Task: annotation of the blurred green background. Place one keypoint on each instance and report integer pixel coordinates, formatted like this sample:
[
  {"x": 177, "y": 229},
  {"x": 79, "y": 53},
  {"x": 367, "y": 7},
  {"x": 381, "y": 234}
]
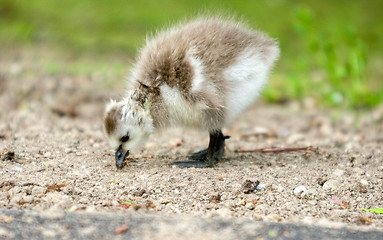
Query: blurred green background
[{"x": 331, "y": 50}]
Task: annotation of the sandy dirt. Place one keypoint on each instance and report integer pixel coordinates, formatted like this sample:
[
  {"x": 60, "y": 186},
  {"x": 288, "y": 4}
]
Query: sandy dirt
[{"x": 54, "y": 156}]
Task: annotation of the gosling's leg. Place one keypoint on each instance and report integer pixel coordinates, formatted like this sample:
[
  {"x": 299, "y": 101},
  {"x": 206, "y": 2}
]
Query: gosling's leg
[{"x": 214, "y": 152}]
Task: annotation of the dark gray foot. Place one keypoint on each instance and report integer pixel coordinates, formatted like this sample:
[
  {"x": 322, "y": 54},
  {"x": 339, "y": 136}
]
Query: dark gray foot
[
  {"x": 214, "y": 152},
  {"x": 199, "y": 156}
]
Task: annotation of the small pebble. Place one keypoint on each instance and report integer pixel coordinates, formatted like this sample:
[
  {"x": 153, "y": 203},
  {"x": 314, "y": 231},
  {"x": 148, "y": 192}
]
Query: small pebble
[
  {"x": 261, "y": 186},
  {"x": 68, "y": 150},
  {"x": 300, "y": 191},
  {"x": 338, "y": 172},
  {"x": 241, "y": 202},
  {"x": 364, "y": 182},
  {"x": 28, "y": 199},
  {"x": 121, "y": 229},
  {"x": 176, "y": 191},
  {"x": 250, "y": 206},
  {"x": 96, "y": 145},
  {"x": 249, "y": 186},
  {"x": 321, "y": 181},
  {"x": 47, "y": 154},
  {"x": 331, "y": 184},
  {"x": 73, "y": 208},
  {"x": 19, "y": 169}
]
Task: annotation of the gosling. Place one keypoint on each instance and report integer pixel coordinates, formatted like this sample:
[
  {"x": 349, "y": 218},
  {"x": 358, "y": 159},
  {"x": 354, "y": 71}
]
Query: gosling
[{"x": 201, "y": 74}]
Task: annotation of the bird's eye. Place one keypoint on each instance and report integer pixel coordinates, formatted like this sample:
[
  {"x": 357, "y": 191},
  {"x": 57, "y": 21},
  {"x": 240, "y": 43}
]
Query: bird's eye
[{"x": 125, "y": 138}]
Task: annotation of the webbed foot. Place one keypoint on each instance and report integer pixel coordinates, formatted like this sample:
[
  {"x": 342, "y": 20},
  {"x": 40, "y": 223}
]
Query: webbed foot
[
  {"x": 199, "y": 156},
  {"x": 214, "y": 152}
]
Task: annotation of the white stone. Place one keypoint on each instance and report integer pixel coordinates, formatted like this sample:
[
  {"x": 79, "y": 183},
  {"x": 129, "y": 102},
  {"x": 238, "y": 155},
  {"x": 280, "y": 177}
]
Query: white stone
[
  {"x": 300, "y": 191},
  {"x": 331, "y": 184},
  {"x": 28, "y": 199},
  {"x": 364, "y": 182},
  {"x": 261, "y": 186},
  {"x": 338, "y": 172},
  {"x": 250, "y": 206},
  {"x": 47, "y": 154}
]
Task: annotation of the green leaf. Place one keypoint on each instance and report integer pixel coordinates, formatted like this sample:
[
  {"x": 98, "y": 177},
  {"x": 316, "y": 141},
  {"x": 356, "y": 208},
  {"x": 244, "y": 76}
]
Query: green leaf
[
  {"x": 127, "y": 202},
  {"x": 373, "y": 210}
]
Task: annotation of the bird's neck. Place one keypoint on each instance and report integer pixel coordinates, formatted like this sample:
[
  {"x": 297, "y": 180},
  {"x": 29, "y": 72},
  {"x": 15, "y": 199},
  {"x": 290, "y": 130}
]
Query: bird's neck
[{"x": 153, "y": 104}]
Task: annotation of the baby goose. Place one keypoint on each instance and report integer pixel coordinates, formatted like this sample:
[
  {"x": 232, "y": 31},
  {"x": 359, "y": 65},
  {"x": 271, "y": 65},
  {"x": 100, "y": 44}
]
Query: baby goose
[{"x": 200, "y": 74}]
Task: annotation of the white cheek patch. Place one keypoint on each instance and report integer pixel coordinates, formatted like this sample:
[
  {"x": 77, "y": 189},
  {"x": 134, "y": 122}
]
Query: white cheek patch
[
  {"x": 136, "y": 139},
  {"x": 135, "y": 143},
  {"x": 114, "y": 143}
]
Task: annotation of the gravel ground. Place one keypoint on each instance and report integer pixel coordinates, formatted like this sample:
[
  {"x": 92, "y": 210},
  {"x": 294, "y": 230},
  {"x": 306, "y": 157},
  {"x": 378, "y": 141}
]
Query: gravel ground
[{"x": 54, "y": 157}]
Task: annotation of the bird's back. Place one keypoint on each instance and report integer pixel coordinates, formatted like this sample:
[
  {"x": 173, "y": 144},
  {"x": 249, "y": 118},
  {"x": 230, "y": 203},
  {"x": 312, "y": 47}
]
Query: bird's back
[
  {"x": 213, "y": 41},
  {"x": 209, "y": 60}
]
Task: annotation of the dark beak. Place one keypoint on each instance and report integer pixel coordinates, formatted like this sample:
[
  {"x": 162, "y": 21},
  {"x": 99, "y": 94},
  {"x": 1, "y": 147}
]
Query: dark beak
[{"x": 120, "y": 156}]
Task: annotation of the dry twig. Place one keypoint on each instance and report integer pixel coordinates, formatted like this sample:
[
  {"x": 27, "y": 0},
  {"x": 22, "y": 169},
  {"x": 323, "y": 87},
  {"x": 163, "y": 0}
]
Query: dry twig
[
  {"x": 121, "y": 229},
  {"x": 55, "y": 187}
]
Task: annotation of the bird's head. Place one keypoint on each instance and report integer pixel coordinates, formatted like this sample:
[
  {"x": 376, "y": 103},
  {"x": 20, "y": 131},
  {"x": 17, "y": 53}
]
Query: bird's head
[{"x": 127, "y": 126}]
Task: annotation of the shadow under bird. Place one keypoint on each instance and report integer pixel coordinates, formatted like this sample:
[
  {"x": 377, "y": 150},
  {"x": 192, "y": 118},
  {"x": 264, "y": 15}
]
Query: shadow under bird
[{"x": 199, "y": 74}]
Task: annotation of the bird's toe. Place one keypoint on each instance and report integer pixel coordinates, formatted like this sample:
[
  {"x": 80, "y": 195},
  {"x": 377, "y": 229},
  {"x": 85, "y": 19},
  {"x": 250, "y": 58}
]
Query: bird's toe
[{"x": 199, "y": 156}]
